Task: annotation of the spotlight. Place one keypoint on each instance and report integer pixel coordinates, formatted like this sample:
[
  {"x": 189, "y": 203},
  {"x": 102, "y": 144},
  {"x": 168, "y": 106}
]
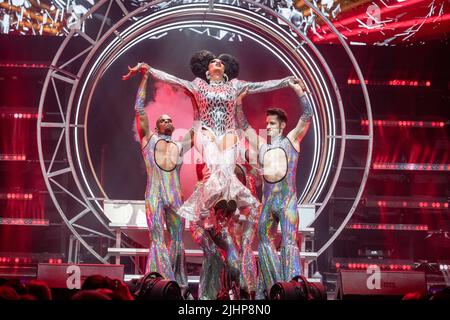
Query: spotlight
[
  {"x": 299, "y": 288},
  {"x": 154, "y": 287}
]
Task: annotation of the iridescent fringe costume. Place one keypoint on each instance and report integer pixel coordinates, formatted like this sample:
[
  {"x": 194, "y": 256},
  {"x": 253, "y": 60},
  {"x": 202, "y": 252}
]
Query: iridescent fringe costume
[
  {"x": 163, "y": 198},
  {"x": 279, "y": 204}
]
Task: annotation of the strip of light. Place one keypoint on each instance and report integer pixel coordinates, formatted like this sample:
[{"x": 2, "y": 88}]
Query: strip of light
[
  {"x": 12, "y": 157},
  {"x": 412, "y": 166},
  {"x": 405, "y": 123},
  {"x": 393, "y": 82},
  {"x": 16, "y": 196},
  {"x": 387, "y": 26},
  {"x": 407, "y": 203},
  {"x": 23, "y": 65},
  {"x": 24, "y": 222},
  {"x": 387, "y": 226},
  {"x": 19, "y": 115},
  {"x": 365, "y": 266}
]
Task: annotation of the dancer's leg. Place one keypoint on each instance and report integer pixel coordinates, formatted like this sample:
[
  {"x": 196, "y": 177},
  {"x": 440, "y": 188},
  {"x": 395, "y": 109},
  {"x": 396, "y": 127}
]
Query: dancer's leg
[
  {"x": 175, "y": 227},
  {"x": 225, "y": 241},
  {"x": 249, "y": 270},
  {"x": 289, "y": 251},
  {"x": 269, "y": 262},
  {"x": 212, "y": 266},
  {"x": 158, "y": 256}
]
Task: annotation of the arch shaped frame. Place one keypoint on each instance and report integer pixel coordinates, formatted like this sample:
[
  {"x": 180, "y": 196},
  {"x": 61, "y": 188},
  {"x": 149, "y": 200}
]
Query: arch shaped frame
[{"x": 104, "y": 46}]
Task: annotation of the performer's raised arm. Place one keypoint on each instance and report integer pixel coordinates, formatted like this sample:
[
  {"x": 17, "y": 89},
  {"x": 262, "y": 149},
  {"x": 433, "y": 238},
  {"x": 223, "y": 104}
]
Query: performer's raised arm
[
  {"x": 141, "y": 116},
  {"x": 188, "y": 141},
  {"x": 250, "y": 134},
  {"x": 159, "y": 75},
  {"x": 300, "y": 130},
  {"x": 242, "y": 123},
  {"x": 264, "y": 86}
]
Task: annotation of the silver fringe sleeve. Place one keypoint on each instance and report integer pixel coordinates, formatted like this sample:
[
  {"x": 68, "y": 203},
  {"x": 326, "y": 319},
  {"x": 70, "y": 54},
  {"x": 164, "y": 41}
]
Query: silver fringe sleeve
[
  {"x": 170, "y": 79},
  {"x": 264, "y": 86}
]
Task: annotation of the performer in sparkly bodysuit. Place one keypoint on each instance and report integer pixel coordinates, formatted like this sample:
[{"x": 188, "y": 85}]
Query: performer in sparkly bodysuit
[
  {"x": 278, "y": 160},
  {"x": 215, "y": 90},
  {"x": 163, "y": 160}
]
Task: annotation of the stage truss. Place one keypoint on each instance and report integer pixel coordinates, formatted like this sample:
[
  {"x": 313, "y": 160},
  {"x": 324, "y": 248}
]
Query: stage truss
[{"x": 101, "y": 46}]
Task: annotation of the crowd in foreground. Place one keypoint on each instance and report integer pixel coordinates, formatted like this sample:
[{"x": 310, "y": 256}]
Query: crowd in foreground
[{"x": 98, "y": 287}]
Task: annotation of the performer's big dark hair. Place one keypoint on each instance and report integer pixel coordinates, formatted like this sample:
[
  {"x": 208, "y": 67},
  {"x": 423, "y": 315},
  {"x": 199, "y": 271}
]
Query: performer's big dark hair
[
  {"x": 280, "y": 113},
  {"x": 201, "y": 59}
]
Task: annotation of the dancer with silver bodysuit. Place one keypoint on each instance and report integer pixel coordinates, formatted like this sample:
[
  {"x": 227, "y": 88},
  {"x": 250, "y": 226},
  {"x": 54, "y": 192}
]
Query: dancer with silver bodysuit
[
  {"x": 278, "y": 160},
  {"x": 215, "y": 90},
  {"x": 163, "y": 159}
]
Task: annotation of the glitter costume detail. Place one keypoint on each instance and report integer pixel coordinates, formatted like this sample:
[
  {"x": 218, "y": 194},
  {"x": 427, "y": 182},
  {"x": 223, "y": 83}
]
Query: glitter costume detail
[
  {"x": 216, "y": 102},
  {"x": 215, "y": 112},
  {"x": 222, "y": 183},
  {"x": 162, "y": 200},
  {"x": 279, "y": 205}
]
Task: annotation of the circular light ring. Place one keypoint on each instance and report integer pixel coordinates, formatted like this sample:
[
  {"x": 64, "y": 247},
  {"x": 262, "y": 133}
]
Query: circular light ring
[
  {"x": 136, "y": 41},
  {"x": 146, "y": 22},
  {"x": 71, "y": 99},
  {"x": 330, "y": 119},
  {"x": 330, "y": 156}
]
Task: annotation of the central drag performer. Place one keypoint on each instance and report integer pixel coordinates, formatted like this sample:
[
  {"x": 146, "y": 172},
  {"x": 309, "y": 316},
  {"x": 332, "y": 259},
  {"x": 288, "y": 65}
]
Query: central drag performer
[{"x": 215, "y": 91}]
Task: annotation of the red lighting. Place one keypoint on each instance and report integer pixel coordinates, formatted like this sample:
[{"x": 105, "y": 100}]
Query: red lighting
[
  {"x": 363, "y": 265},
  {"x": 364, "y": 31},
  {"x": 412, "y": 166},
  {"x": 394, "y": 82},
  {"x": 403, "y": 123},
  {"x": 391, "y": 227},
  {"x": 16, "y": 196},
  {"x": 24, "y": 222},
  {"x": 19, "y": 113},
  {"x": 23, "y": 65},
  {"x": 12, "y": 157}
]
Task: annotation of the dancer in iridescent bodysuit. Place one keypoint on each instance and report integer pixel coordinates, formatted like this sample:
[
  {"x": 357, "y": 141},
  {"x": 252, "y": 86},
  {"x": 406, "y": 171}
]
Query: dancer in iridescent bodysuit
[
  {"x": 278, "y": 160},
  {"x": 163, "y": 159},
  {"x": 215, "y": 90}
]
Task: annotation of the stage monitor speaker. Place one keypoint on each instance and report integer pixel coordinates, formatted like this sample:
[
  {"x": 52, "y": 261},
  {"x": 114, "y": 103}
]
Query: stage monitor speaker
[
  {"x": 72, "y": 276},
  {"x": 376, "y": 284}
]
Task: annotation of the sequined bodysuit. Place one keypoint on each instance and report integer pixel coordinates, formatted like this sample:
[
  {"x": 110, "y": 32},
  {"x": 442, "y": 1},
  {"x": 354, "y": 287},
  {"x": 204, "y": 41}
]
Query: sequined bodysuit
[
  {"x": 163, "y": 198},
  {"x": 216, "y": 101},
  {"x": 279, "y": 204},
  {"x": 215, "y": 111}
]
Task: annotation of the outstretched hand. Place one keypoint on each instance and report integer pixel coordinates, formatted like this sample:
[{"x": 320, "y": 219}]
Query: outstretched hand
[
  {"x": 140, "y": 67},
  {"x": 298, "y": 86}
]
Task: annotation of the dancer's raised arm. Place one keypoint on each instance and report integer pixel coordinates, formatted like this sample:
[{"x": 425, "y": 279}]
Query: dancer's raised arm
[
  {"x": 141, "y": 116},
  {"x": 296, "y": 135},
  {"x": 188, "y": 141},
  {"x": 159, "y": 75},
  {"x": 254, "y": 140},
  {"x": 264, "y": 86}
]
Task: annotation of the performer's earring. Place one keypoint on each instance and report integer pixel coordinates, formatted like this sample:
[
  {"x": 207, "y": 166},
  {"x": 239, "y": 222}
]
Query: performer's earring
[
  {"x": 207, "y": 75},
  {"x": 225, "y": 77}
]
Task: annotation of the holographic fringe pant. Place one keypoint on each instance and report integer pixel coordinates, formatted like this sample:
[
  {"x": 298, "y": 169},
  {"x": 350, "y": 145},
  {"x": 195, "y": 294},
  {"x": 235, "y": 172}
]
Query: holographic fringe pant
[
  {"x": 274, "y": 268},
  {"x": 170, "y": 263}
]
